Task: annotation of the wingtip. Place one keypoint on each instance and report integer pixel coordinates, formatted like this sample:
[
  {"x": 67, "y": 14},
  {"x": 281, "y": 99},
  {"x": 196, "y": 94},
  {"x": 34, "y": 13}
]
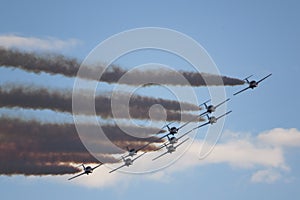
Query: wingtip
[
  {"x": 248, "y": 77},
  {"x": 204, "y": 102}
]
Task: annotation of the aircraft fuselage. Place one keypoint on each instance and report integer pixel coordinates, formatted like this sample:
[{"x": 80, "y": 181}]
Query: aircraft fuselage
[
  {"x": 211, "y": 109},
  {"x": 173, "y": 140},
  {"x": 171, "y": 148},
  {"x": 212, "y": 120},
  {"x": 173, "y": 130},
  {"x": 128, "y": 162},
  {"x": 88, "y": 170},
  {"x": 253, "y": 84}
]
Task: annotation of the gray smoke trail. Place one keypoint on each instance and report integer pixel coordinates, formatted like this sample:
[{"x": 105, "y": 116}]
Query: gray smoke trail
[
  {"x": 59, "y": 100},
  {"x": 58, "y": 64}
]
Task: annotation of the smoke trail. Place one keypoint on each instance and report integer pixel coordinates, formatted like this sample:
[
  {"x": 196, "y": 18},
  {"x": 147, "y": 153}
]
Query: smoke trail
[
  {"x": 59, "y": 100},
  {"x": 35, "y": 148},
  {"x": 50, "y": 63},
  {"x": 58, "y": 64}
]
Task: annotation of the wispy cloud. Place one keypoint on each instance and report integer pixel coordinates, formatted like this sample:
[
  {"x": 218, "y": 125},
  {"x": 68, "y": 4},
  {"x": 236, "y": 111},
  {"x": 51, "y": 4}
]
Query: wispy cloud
[
  {"x": 34, "y": 43},
  {"x": 266, "y": 175}
]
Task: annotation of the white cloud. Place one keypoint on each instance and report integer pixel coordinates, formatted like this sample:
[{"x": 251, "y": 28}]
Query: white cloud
[
  {"x": 281, "y": 137},
  {"x": 240, "y": 153},
  {"x": 33, "y": 43},
  {"x": 267, "y": 176},
  {"x": 244, "y": 154}
]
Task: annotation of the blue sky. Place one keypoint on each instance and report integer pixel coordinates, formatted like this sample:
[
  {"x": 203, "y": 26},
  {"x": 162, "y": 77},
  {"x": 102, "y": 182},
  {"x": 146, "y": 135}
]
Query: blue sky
[{"x": 242, "y": 37}]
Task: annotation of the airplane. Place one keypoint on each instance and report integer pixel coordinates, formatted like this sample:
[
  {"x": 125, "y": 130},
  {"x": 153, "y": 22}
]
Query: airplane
[
  {"x": 170, "y": 148},
  {"x": 170, "y": 145},
  {"x": 133, "y": 151},
  {"x": 173, "y": 130},
  {"x": 252, "y": 84},
  {"x": 212, "y": 119},
  {"x": 127, "y": 162},
  {"x": 211, "y": 108},
  {"x": 87, "y": 170},
  {"x": 171, "y": 139},
  {"x": 174, "y": 140}
]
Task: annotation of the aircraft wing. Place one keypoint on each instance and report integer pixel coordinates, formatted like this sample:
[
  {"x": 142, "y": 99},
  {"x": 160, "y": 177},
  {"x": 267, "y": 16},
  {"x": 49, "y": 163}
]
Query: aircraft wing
[
  {"x": 186, "y": 133},
  {"x": 127, "y": 155},
  {"x": 162, "y": 146},
  {"x": 76, "y": 176},
  {"x": 241, "y": 90},
  {"x": 224, "y": 114},
  {"x": 204, "y": 113},
  {"x": 186, "y": 123},
  {"x": 182, "y": 142},
  {"x": 167, "y": 143},
  {"x": 192, "y": 130},
  {"x": 122, "y": 157},
  {"x": 97, "y": 166},
  {"x": 142, "y": 147},
  {"x": 248, "y": 77},
  {"x": 125, "y": 164},
  {"x": 162, "y": 137},
  {"x": 263, "y": 78},
  {"x": 205, "y": 103},
  {"x": 168, "y": 152},
  {"x": 160, "y": 155},
  {"x": 222, "y": 103},
  {"x": 167, "y": 125},
  {"x": 138, "y": 156},
  {"x": 117, "y": 168},
  {"x": 202, "y": 125}
]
